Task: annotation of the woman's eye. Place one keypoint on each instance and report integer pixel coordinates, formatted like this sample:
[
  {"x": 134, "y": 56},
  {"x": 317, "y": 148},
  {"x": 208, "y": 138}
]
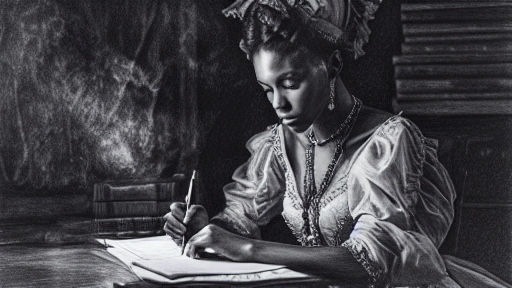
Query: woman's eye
[{"x": 290, "y": 84}]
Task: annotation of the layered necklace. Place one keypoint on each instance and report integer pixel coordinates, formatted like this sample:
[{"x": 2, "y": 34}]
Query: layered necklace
[{"x": 312, "y": 195}]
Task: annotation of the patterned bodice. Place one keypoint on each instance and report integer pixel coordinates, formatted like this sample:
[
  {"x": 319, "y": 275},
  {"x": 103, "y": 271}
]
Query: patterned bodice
[
  {"x": 334, "y": 219},
  {"x": 389, "y": 180}
]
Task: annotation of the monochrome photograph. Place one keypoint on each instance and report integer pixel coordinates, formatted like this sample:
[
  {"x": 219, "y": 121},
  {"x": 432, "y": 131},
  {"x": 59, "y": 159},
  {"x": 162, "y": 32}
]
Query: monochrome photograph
[{"x": 255, "y": 143}]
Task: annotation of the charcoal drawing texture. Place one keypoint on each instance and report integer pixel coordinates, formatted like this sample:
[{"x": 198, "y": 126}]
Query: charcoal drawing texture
[
  {"x": 93, "y": 90},
  {"x": 78, "y": 101},
  {"x": 90, "y": 90}
]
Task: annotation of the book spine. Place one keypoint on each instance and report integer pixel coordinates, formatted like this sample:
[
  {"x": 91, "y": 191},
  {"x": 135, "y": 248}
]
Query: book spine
[
  {"x": 454, "y": 85},
  {"x": 454, "y": 96},
  {"x": 500, "y": 70},
  {"x": 130, "y": 208},
  {"x": 453, "y": 5},
  {"x": 455, "y": 107},
  {"x": 476, "y": 47},
  {"x": 130, "y": 225},
  {"x": 432, "y": 29},
  {"x": 143, "y": 192},
  {"x": 458, "y": 38},
  {"x": 453, "y": 58},
  {"x": 167, "y": 191},
  {"x": 469, "y": 12}
]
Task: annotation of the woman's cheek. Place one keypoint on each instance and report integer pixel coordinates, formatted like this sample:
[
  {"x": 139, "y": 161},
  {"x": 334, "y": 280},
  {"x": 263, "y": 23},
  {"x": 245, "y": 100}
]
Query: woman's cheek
[{"x": 310, "y": 99}]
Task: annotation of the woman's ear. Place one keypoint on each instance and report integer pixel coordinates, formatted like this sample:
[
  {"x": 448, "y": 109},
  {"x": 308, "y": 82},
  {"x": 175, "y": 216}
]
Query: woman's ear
[{"x": 335, "y": 64}]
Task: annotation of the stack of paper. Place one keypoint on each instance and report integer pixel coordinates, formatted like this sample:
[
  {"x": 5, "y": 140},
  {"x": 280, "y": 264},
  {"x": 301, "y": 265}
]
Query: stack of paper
[{"x": 158, "y": 259}]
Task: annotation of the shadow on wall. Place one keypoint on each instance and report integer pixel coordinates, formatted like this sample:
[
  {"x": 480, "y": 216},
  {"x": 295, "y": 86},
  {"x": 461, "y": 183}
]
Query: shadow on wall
[
  {"x": 81, "y": 92},
  {"x": 89, "y": 91}
]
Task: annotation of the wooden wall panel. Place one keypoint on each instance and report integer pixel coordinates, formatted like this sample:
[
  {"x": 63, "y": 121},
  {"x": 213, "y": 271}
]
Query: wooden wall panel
[
  {"x": 453, "y": 78},
  {"x": 477, "y": 153}
]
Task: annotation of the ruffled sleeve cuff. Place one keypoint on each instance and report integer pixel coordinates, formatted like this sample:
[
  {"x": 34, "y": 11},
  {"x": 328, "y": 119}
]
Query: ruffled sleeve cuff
[
  {"x": 225, "y": 220},
  {"x": 374, "y": 270}
]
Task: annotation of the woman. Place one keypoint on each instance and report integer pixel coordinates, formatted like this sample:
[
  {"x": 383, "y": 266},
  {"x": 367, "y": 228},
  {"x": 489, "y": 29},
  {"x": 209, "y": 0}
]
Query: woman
[{"x": 361, "y": 189}]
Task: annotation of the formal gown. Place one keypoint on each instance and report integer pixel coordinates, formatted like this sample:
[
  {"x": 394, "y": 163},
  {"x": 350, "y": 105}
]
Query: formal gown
[{"x": 390, "y": 203}]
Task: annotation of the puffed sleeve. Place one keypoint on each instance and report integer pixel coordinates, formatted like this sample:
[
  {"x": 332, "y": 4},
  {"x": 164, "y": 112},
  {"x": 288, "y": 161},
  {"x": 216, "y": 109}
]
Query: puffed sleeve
[
  {"x": 255, "y": 196},
  {"x": 401, "y": 199}
]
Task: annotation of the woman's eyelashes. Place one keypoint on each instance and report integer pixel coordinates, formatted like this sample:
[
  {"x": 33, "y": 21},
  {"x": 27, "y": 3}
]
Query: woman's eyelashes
[
  {"x": 290, "y": 84},
  {"x": 286, "y": 84}
]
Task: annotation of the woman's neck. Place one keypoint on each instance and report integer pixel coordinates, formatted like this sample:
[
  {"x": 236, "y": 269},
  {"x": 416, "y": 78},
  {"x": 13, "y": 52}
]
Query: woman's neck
[{"x": 329, "y": 121}]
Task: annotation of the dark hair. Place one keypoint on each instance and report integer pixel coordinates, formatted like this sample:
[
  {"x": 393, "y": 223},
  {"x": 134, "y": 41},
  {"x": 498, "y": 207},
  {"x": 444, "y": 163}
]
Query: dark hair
[{"x": 264, "y": 27}]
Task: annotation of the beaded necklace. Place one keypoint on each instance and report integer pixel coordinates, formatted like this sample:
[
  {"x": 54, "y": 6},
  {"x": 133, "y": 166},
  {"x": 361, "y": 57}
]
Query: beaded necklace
[
  {"x": 312, "y": 196},
  {"x": 343, "y": 127}
]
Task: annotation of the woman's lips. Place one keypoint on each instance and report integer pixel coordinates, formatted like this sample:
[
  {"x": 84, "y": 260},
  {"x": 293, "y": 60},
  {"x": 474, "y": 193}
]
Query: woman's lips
[
  {"x": 289, "y": 121},
  {"x": 294, "y": 124}
]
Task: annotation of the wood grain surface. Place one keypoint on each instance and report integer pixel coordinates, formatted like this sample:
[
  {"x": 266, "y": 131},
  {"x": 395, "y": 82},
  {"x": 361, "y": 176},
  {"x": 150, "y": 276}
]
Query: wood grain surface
[{"x": 60, "y": 266}]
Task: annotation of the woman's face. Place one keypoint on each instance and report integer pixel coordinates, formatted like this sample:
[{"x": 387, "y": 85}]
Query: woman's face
[{"x": 297, "y": 87}]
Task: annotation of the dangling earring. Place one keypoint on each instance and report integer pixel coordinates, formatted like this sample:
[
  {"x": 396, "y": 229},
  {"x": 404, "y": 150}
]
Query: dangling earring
[{"x": 331, "y": 98}]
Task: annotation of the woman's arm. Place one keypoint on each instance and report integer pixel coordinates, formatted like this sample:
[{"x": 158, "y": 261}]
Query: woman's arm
[
  {"x": 326, "y": 261},
  {"x": 329, "y": 262},
  {"x": 402, "y": 199}
]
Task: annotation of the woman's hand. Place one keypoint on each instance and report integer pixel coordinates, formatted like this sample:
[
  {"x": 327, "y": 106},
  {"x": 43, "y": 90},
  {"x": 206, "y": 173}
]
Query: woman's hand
[
  {"x": 227, "y": 244},
  {"x": 177, "y": 226},
  {"x": 327, "y": 261}
]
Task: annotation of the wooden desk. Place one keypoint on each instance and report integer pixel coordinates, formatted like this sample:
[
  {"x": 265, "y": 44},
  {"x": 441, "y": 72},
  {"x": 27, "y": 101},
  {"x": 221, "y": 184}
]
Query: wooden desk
[
  {"x": 83, "y": 265},
  {"x": 39, "y": 255}
]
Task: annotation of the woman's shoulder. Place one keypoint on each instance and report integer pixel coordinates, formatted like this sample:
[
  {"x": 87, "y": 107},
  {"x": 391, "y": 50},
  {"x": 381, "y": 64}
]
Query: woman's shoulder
[
  {"x": 368, "y": 121},
  {"x": 380, "y": 127},
  {"x": 262, "y": 139},
  {"x": 377, "y": 123}
]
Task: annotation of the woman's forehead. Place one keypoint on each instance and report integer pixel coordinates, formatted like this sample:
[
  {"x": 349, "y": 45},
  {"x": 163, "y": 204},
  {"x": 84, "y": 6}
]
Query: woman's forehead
[
  {"x": 271, "y": 66},
  {"x": 275, "y": 61}
]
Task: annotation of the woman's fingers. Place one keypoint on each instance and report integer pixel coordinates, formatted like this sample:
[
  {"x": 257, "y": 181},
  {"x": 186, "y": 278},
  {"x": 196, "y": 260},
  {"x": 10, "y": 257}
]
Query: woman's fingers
[
  {"x": 202, "y": 239},
  {"x": 173, "y": 227},
  {"x": 174, "y": 223},
  {"x": 172, "y": 232},
  {"x": 178, "y": 210},
  {"x": 176, "y": 226},
  {"x": 191, "y": 251},
  {"x": 226, "y": 244},
  {"x": 196, "y": 218}
]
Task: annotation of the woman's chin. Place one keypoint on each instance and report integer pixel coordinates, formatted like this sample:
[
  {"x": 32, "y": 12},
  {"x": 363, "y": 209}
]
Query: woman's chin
[{"x": 296, "y": 127}]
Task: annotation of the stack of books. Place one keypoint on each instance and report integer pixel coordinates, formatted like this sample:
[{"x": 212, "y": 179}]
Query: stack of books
[
  {"x": 456, "y": 58},
  {"x": 134, "y": 207}
]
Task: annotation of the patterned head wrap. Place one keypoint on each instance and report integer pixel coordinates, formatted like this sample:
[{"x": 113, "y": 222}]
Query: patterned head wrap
[{"x": 331, "y": 19}]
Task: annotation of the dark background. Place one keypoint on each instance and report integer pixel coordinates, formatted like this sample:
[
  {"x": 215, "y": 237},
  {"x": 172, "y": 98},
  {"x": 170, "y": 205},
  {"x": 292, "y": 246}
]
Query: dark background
[
  {"x": 99, "y": 90},
  {"x": 90, "y": 91}
]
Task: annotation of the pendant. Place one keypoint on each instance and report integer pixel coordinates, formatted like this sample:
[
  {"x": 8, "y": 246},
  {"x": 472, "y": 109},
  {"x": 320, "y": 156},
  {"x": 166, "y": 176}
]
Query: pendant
[{"x": 330, "y": 106}]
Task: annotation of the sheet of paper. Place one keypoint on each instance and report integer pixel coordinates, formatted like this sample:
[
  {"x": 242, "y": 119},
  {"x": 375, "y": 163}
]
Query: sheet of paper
[
  {"x": 162, "y": 256},
  {"x": 146, "y": 248},
  {"x": 184, "y": 266},
  {"x": 283, "y": 275}
]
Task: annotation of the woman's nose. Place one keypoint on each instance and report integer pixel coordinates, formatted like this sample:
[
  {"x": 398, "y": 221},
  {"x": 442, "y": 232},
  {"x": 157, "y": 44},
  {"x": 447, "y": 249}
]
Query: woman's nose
[{"x": 278, "y": 101}]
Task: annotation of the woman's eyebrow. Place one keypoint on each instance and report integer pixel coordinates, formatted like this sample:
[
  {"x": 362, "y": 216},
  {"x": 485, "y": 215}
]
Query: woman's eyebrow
[
  {"x": 262, "y": 83},
  {"x": 294, "y": 74}
]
